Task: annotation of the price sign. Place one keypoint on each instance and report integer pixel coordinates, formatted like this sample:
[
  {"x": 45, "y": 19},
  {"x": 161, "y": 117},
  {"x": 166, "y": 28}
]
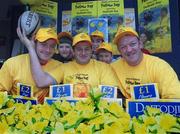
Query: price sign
[
  {"x": 145, "y": 91},
  {"x": 25, "y": 90},
  {"x": 57, "y": 91},
  {"x": 109, "y": 91}
]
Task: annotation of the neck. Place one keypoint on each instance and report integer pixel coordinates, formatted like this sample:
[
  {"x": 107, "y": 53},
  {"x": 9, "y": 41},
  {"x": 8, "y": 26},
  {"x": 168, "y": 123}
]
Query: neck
[
  {"x": 43, "y": 62},
  {"x": 137, "y": 62}
]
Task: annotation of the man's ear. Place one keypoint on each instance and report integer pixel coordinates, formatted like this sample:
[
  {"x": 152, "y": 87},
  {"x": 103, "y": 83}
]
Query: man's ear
[{"x": 141, "y": 44}]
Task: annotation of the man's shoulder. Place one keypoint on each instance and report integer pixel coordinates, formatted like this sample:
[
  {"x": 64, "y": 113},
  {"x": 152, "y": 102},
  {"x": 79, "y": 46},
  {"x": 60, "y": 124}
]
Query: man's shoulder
[
  {"x": 116, "y": 62},
  {"x": 17, "y": 58},
  {"x": 153, "y": 59}
]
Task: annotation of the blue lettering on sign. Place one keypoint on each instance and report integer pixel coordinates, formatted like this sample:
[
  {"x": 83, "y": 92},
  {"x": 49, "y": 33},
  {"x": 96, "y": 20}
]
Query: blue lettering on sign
[
  {"x": 61, "y": 91},
  {"x": 145, "y": 91},
  {"x": 136, "y": 108},
  {"x": 25, "y": 90},
  {"x": 21, "y": 100},
  {"x": 109, "y": 91}
]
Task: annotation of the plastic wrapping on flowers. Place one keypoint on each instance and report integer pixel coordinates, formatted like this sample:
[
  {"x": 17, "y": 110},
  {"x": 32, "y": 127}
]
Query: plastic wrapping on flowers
[{"x": 90, "y": 116}]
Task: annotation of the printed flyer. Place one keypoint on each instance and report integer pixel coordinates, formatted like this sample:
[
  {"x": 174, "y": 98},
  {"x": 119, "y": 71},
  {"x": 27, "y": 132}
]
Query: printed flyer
[
  {"x": 81, "y": 13},
  {"x": 66, "y": 21},
  {"x": 154, "y": 25},
  {"x": 48, "y": 13},
  {"x": 113, "y": 10}
]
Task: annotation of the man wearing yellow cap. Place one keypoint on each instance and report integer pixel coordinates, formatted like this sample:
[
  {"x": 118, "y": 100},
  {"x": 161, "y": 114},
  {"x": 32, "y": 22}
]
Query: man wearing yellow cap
[
  {"x": 104, "y": 52},
  {"x": 97, "y": 38},
  {"x": 83, "y": 70},
  {"x": 137, "y": 68},
  {"x": 18, "y": 69}
]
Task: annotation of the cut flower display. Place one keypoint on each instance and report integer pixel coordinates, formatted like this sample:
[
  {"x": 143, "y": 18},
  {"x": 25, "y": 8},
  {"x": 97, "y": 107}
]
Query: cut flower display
[{"x": 92, "y": 115}]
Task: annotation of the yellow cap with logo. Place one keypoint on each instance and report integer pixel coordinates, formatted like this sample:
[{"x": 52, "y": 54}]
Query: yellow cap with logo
[
  {"x": 105, "y": 46},
  {"x": 122, "y": 31},
  {"x": 81, "y": 37},
  {"x": 98, "y": 34},
  {"x": 44, "y": 34}
]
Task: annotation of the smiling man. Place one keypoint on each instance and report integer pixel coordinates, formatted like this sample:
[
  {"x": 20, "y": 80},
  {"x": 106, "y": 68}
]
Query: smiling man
[
  {"x": 18, "y": 69},
  {"x": 82, "y": 70},
  {"x": 137, "y": 68}
]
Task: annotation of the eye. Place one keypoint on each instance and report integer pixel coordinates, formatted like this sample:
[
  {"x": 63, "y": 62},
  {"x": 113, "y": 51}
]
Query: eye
[{"x": 132, "y": 44}]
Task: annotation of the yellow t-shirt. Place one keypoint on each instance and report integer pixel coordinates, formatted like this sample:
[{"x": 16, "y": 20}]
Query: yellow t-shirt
[
  {"x": 17, "y": 70},
  {"x": 94, "y": 73},
  {"x": 151, "y": 70}
]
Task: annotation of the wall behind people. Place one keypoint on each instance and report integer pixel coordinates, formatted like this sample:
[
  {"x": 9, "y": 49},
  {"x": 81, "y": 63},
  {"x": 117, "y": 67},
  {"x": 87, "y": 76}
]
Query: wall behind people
[
  {"x": 173, "y": 57},
  {"x": 9, "y": 13}
]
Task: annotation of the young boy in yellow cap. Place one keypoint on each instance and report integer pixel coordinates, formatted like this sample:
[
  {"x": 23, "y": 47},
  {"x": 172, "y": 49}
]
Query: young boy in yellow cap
[
  {"x": 104, "y": 53},
  {"x": 18, "y": 69},
  {"x": 83, "y": 70},
  {"x": 97, "y": 38},
  {"x": 135, "y": 67}
]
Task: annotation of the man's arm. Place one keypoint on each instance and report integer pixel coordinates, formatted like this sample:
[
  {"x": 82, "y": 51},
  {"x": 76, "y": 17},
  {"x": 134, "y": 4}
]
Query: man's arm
[
  {"x": 168, "y": 83},
  {"x": 41, "y": 78}
]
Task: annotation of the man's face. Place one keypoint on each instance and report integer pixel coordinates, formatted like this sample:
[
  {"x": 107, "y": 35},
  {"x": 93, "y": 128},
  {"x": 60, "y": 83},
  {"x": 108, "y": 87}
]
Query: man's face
[
  {"x": 130, "y": 48},
  {"x": 104, "y": 56},
  {"x": 45, "y": 50},
  {"x": 65, "y": 50},
  {"x": 95, "y": 42},
  {"x": 82, "y": 52}
]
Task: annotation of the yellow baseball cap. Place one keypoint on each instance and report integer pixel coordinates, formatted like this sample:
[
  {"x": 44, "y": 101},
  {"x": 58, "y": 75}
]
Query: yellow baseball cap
[
  {"x": 97, "y": 33},
  {"x": 124, "y": 31},
  {"x": 105, "y": 46},
  {"x": 81, "y": 37},
  {"x": 44, "y": 34}
]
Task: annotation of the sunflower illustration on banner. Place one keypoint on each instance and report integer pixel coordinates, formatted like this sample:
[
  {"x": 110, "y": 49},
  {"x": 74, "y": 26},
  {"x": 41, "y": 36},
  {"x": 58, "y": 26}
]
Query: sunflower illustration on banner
[{"x": 98, "y": 24}]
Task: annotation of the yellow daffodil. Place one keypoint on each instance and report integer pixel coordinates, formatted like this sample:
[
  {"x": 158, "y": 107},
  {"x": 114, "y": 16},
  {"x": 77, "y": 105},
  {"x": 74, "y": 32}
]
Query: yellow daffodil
[
  {"x": 71, "y": 117},
  {"x": 149, "y": 120},
  {"x": 3, "y": 127},
  {"x": 153, "y": 111},
  {"x": 3, "y": 98},
  {"x": 167, "y": 121},
  {"x": 116, "y": 109},
  {"x": 84, "y": 129}
]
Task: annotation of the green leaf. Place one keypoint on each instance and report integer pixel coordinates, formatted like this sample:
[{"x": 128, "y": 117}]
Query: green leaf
[{"x": 33, "y": 120}]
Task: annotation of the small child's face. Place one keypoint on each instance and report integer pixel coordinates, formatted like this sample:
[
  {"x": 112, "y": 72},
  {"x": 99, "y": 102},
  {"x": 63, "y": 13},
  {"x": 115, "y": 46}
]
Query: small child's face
[
  {"x": 95, "y": 42},
  {"x": 104, "y": 56}
]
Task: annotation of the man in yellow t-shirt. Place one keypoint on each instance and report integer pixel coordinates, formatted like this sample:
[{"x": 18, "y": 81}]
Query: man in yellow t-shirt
[
  {"x": 83, "y": 70},
  {"x": 137, "y": 68},
  {"x": 18, "y": 69}
]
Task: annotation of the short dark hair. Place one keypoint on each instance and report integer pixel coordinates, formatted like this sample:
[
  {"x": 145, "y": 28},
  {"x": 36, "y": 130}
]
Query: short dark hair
[{"x": 65, "y": 40}]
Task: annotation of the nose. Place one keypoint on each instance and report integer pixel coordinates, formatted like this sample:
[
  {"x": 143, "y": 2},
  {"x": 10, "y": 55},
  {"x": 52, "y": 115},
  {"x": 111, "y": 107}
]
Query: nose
[
  {"x": 129, "y": 48},
  {"x": 83, "y": 52}
]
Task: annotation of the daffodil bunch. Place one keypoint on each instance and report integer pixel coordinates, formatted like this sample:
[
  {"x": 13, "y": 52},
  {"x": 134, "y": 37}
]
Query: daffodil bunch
[
  {"x": 153, "y": 121},
  {"x": 92, "y": 115}
]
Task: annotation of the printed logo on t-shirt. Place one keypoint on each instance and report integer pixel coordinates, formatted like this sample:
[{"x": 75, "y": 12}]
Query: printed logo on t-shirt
[
  {"x": 77, "y": 78},
  {"x": 131, "y": 81}
]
